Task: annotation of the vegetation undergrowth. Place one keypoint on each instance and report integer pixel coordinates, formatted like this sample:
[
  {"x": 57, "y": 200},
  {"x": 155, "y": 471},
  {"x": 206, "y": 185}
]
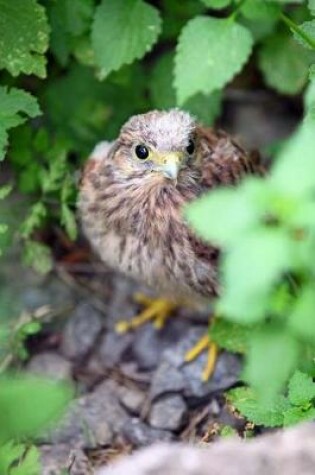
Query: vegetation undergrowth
[{"x": 72, "y": 71}]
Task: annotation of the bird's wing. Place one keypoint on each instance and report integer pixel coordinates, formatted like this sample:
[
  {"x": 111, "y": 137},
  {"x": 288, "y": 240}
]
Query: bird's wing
[
  {"x": 99, "y": 154},
  {"x": 222, "y": 160}
]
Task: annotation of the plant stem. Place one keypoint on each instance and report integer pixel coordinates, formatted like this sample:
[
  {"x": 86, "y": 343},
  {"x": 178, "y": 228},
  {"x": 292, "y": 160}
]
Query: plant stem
[
  {"x": 293, "y": 26},
  {"x": 237, "y": 9}
]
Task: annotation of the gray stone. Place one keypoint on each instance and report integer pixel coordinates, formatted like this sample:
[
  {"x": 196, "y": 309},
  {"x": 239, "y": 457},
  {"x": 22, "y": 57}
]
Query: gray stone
[
  {"x": 287, "y": 452},
  {"x": 81, "y": 331},
  {"x": 114, "y": 348},
  {"x": 92, "y": 420},
  {"x": 50, "y": 291},
  {"x": 58, "y": 458},
  {"x": 226, "y": 372},
  {"x": 132, "y": 399},
  {"x": 150, "y": 343},
  {"x": 168, "y": 413},
  {"x": 51, "y": 365},
  {"x": 167, "y": 378},
  {"x": 140, "y": 434}
]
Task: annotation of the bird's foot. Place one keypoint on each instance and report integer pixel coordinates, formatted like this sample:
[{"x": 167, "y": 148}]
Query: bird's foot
[
  {"x": 204, "y": 344},
  {"x": 157, "y": 310}
]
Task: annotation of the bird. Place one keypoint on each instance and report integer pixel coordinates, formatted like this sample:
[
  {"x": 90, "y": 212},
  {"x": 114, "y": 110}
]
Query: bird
[{"x": 132, "y": 195}]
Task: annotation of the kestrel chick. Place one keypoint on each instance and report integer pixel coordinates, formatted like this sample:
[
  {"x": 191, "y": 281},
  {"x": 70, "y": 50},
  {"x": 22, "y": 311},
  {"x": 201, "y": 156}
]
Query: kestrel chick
[{"x": 133, "y": 193}]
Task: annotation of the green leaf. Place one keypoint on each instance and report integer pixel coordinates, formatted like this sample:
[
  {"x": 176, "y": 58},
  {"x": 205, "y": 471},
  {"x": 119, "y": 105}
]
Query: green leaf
[
  {"x": 16, "y": 106},
  {"x": 20, "y": 395},
  {"x": 272, "y": 356},
  {"x": 10, "y": 454},
  {"x": 24, "y": 37},
  {"x": 38, "y": 256},
  {"x": 294, "y": 169},
  {"x": 302, "y": 317},
  {"x": 68, "y": 19},
  {"x": 51, "y": 179},
  {"x": 296, "y": 415},
  {"x": 250, "y": 269},
  {"x": 210, "y": 52},
  {"x": 5, "y": 190},
  {"x": 223, "y": 216},
  {"x": 309, "y": 100},
  {"x": 228, "y": 431},
  {"x": 231, "y": 336},
  {"x": 247, "y": 403},
  {"x": 30, "y": 464},
  {"x": 311, "y": 6},
  {"x": 123, "y": 31},
  {"x": 258, "y": 10},
  {"x": 68, "y": 221},
  {"x": 205, "y": 108},
  {"x": 284, "y": 63},
  {"x": 308, "y": 27},
  {"x": 34, "y": 220},
  {"x": 301, "y": 389},
  {"x": 216, "y": 4}
]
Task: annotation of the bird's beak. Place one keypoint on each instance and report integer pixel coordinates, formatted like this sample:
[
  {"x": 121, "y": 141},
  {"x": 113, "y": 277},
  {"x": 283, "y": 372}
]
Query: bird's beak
[{"x": 170, "y": 165}]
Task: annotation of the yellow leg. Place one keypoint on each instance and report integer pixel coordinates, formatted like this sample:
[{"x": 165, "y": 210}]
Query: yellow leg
[
  {"x": 204, "y": 344},
  {"x": 158, "y": 310}
]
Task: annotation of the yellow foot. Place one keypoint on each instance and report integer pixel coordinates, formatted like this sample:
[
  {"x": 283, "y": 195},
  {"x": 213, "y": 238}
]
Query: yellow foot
[
  {"x": 157, "y": 310},
  {"x": 202, "y": 345}
]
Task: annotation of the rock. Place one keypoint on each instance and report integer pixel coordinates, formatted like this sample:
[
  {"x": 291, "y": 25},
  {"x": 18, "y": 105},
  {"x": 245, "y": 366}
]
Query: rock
[
  {"x": 92, "y": 420},
  {"x": 51, "y": 365},
  {"x": 168, "y": 413},
  {"x": 150, "y": 343},
  {"x": 226, "y": 372},
  {"x": 167, "y": 378},
  {"x": 50, "y": 291},
  {"x": 114, "y": 348},
  {"x": 140, "y": 434},
  {"x": 132, "y": 399},
  {"x": 56, "y": 459},
  {"x": 81, "y": 331},
  {"x": 287, "y": 452}
]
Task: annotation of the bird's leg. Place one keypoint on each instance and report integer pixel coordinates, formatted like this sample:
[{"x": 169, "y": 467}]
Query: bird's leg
[
  {"x": 157, "y": 310},
  {"x": 204, "y": 344}
]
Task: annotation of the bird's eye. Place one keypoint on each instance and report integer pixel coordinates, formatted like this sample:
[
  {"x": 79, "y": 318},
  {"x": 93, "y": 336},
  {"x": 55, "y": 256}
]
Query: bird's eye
[
  {"x": 190, "y": 147},
  {"x": 142, "y": 152}
]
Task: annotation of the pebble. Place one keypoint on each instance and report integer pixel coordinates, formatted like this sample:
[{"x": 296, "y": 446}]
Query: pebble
[
  {"x": 150, "y": 343},
  {"x": 140, "y": 434},
  {"x": 132, "y": 399},
  {"x": 92, "y": 420},
  {"x": 114, "y": 348},
  {"x": 51, "y": 365},
  {"x": 167, "y": 378},
  {"x": 226, "y": 373},
  {"x": 168, "y": 413},
  {"x": 81, "y": 331}
]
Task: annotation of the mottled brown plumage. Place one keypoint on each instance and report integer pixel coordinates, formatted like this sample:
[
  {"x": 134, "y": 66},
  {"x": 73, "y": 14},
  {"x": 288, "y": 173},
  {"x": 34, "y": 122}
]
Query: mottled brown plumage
[{"x": 131, "y": 208}]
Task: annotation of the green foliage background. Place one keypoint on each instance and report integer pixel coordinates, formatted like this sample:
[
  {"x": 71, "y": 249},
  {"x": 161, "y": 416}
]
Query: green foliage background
[{"x": 72, "y": 71}]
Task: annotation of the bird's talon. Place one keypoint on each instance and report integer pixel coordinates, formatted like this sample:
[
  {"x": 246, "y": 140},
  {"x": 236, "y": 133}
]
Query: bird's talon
[
  {"x": 122, "y": 326},
  {"x": 203, "y": 344},
  {"x": 198, "y": 348},
  {"x": 158, "y": 310}
]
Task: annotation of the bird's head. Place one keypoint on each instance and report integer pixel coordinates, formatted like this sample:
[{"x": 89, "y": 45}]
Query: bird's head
[{"x": 156, "y": 144}]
